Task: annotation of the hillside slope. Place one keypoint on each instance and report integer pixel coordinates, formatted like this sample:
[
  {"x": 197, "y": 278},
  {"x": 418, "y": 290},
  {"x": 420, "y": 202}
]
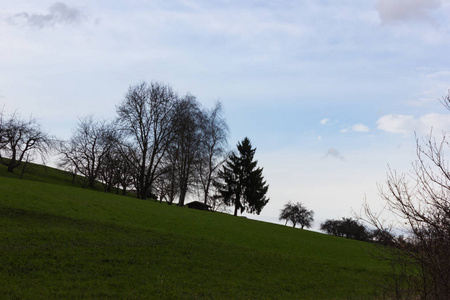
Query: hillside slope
[{"x": 61, "y": 241}]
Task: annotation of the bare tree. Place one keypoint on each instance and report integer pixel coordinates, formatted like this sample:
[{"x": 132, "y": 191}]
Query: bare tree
[
  {"x": 127, "y": 172},
  {"x": 21, "y": 139},
  {"x": 168, "y": 184},
  {"x": 420, "y": 201},
  {"x": 146, "y": 116},
  {"x": 216, "y": 202},
  {"x": 195, "y": 153},
  {"x": 111, "y": 169},
  {"x": 187, "y": 143},
  {"x": 87, "y": 149},
  {"x": 214, "y": 153}
]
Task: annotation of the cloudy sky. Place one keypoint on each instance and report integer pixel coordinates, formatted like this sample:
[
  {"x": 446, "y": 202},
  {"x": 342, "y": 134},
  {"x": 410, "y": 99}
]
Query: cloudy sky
[{"x": 330, "y": 92}]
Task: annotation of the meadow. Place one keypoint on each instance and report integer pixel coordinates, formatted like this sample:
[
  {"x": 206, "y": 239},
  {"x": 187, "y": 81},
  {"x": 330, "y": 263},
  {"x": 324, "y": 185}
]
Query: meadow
[{"x": 62, "y": 241}]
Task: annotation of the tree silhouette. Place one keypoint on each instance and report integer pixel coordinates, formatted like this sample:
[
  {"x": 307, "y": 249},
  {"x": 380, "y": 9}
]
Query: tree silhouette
[
  {"x": 20, "y": 140},
  {"x": 241, "y": 182},
  {"x": 347, "y": 227},
  {"x": 146, "y": 117},
  {"x": 297, "y": 214}
]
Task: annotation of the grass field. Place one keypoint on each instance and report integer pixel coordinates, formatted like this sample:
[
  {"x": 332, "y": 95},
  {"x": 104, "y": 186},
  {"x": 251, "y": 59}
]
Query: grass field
[{"x": 59, "y": 241}]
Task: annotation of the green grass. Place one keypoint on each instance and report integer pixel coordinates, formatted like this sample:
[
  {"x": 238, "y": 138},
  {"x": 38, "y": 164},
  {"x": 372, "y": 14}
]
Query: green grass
[
  {"x": 46, "y": 174},
  {"x": 58, "y": 241}
]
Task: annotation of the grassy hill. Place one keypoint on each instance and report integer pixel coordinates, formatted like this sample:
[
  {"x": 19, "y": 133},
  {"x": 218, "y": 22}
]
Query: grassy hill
[{"x": 60, "y": 241}]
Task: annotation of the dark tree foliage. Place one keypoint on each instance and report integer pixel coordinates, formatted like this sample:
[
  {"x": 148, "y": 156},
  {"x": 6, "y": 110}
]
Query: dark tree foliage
[
  {"x": 347, "y": 227},
  {"x": 297, "y": 214},
  {"x": 242, "y": 184},
  {"x": 21, "y": 140},
  {"x": 383, "y": 237}
]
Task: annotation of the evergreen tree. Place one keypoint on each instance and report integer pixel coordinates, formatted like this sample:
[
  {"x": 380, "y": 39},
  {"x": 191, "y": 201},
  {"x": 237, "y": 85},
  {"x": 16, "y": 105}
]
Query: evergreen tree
[{"x": 242, "y": 183}]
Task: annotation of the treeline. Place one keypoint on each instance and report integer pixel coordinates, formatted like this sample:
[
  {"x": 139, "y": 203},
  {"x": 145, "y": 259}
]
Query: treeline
[
  {"x": 298, "y": 214},
  {"x": 160, "y": 145},
  {"x": 348, "y": 228},
  {"x": 354, "y": 229}
]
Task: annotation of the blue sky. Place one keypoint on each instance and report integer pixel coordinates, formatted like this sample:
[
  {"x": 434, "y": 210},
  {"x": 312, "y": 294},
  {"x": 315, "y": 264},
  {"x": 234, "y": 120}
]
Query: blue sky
[{"x": 330, "y": 92}]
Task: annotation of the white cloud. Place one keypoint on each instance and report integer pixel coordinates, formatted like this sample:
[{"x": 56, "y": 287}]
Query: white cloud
[
  {"x": 58, "y": 13},
  {"x": 397, "y": 124},
  {"x": 407, "y": 124},
  {"x": 324, "y": 121},
  {"x": 356, "y": 128},
  {"x": 360, "y": 128},
  {"x": 399, "y": 10}
]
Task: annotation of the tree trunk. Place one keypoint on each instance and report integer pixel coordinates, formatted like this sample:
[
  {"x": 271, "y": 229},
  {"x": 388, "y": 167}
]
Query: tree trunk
[
  {"x": 91, "y": 183},
  {"x": 237, "y": 203},
  {"x": 182, "y": 197},
  {"x": 206, "y": 192}
]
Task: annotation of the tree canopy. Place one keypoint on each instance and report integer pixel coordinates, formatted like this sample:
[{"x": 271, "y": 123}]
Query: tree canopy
[
  {"x": 347, "y": 227},
  {"x": 297, "y": 214}
]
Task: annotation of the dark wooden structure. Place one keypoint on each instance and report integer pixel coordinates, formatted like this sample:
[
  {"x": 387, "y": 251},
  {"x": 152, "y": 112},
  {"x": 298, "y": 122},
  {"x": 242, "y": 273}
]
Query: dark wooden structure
[{"x": 198, "y": 205}]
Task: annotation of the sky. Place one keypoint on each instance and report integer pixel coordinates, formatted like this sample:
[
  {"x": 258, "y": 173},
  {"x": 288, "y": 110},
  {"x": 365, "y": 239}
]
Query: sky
[{"x": 330, "y": 93}]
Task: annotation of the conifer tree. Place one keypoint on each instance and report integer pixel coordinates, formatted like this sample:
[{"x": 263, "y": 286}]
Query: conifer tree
[{"x": 242, "y": 183}]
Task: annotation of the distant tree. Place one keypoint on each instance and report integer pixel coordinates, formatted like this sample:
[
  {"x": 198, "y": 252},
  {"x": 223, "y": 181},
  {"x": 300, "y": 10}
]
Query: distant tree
[
  {"x": 167, "y": 185},
  {"x": 186, "y": 144},
  {"x": 126, "y": 172},
  {"x": 115, "y": 170},
  {"x": 241, "y": 183},
  {"x": 21, "y": 140},
  {"x": 383, "y": 237},
  {"x": 88, "y": 148},
  {"x": 110, "y": 169},
  {"x": 179, "y": 174},
  {"x": 214, "y": 147},
  {"x": 347, "y": 227},
  {"x": 331, "y": 227},
  {"x": 146, "y": 117},
  {"x": 297, "y": 214}
]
